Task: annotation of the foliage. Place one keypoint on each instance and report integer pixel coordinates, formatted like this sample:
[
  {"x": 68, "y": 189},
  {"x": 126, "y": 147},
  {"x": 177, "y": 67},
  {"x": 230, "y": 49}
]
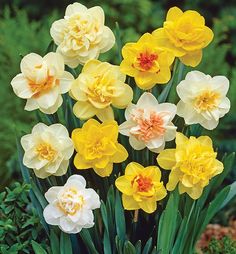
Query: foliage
[
  {"x": 19, "y": 223},
  {"x": 224, "y": 246}
]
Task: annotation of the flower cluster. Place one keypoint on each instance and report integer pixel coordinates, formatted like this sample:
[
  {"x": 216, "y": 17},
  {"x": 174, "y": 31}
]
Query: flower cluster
[{"x": 106, "y": 103}]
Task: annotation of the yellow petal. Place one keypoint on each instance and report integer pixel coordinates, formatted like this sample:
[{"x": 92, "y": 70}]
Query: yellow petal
[
  {"x": 91, "y": 66},
  {"x": 192, "y": 58},
  {"x": 174, "y": 178},
  {"x": 174, "y": 14},
  {"x": 129, "y": 51},
  {"x": 84, "y": 110},
  {"x": 105, "y": 114},
  {"x": 80, "y": 162},
  {"x": 181, "y": 140},
  {"x": 133, "y": 169},
  {"x": 129, "y": 203},
  {"x": 205, "y": 140},
  {"x": 163, "y": 76},
  {"x": 145, "y": 80},
  {"x": 195, "y": 192},
  {"x": 104, "y": 171},
  {"x": 218, "y": 167},
  {"x": 127, "y": 68},
  {"x": 153, "y": 172},
  {"x": 110, "y": 129},
  {"x": 123, "y": 100},
  {"x": 124, "y": 185},
  {"x": 121, "y": 154},
  {"x": 161, "y": 193},
  {"x": 149, "y": 206},
  {"x": 102, "y": 162},
  {"x": 166, "y": 158},
  {"x": 209, "y": 35}
]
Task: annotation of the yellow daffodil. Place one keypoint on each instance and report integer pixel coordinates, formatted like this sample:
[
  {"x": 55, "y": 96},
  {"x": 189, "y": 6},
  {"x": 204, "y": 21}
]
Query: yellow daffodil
[
  {"x": 97, "y": 147},
  {"x": 193, "y": 163},
  {"x": 185, "y": 34},
  {"x": 141, "y": 187},
  {"x": 148, "y": 63},
  {"x": 99, "y": 86}
]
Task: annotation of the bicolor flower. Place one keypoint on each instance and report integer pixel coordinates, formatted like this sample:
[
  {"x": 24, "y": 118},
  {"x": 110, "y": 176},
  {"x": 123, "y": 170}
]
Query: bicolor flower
[
  {"x": 99, "y": 86},
  {"x": 147, "y": 62},
  {"x": 81, "y": 35},
  {"x": 47, "y": 150},
  {"x": 203, "y": 99},
  {"x": 148, "y": 123},
  {"x": 192, "y": 163},
  {"x": 97, "y": 147},
  {"x": 185, "y": 34},
  {"x": 141, "y": 187},
  {"x": 71, "y": 206},
  {"x": 42, "y": 81}
]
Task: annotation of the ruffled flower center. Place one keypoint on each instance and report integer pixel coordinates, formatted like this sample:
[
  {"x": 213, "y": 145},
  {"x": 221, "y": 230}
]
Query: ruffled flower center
[
  {"x": 142, "y": 183},
  {"x": 70, "y": 201},
  {"x": 207, "y": 100},
  {"x": 147, "y": 61},
  {"x": 46, "y": 151},
  {"x": 148, "y": 127}
]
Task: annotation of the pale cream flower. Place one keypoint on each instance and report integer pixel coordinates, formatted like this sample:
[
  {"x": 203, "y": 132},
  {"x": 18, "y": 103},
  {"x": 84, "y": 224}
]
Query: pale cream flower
[
  {"x": 42, "y": 81},
  {"x": 70, "y": 206},
  {"x": 203, "y": 99},
  {"x": 148, "y": 124},
  {"x": 82, "y": 35},
  {"x": 47, "y": 150}
]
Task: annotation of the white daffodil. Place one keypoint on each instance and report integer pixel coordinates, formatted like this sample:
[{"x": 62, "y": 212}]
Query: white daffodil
[
  {"x": 149, "y": 123},
  {"x": 47, "y": 150},
  {"x": 70, "y": 206},
  {"x": 42, "y": 81},
  {"x": 82, "y": 35},
  {"x": 203, "y": 99}
]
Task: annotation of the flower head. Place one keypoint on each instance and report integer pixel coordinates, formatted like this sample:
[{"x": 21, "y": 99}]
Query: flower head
[
  {"x": 203, "y": 99},
  {"x": 70, "y": 206},
  {"x": 141, "y": 187},
  {"x": 148, "y": 63},
  {"x": 42, "y": 81},
  {"x": 185, "y": 34},
  {"x": 47, "y": 150},
  {"x": 82, "y": 35},
  {"x": 99, "y": 86},
  {"x": 193, "y": 163},
  {"x": 148, "y": 124},
  {"x": 97, "y": 147}
]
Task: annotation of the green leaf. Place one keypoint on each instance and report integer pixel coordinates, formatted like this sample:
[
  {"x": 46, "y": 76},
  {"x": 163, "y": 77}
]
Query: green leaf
[
  {"x": 147, "y": 247},
  {"x": 106, "y": 239},
  {"x": 65, "y": 244},
  {"x": 129, "y": 248},
  {"x": 120, "y": 218},
  {"x": 54, "y": 243},
  {"x": 138, "y": 246},
  {"x": 86, "y": 237},
  {"x": 37, "y": 248}
]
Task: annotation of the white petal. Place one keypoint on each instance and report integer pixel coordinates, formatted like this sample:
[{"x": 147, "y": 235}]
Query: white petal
[
  {"x": 27, "y": 142},
  {"x": 136, "y": 144},
  {"x": 92, "y": 200},
  {"x": 48, "y": 214},
  {"x": 220, "y": 84},
  {"x": 125, "y": 127},
  {"x": 155, "y": 143},
  {"x": 57, "y": 30},
  {"x": 108, "y": 40},
  {"x": 55, "y": 64},
  {"x": 75, "y": 8},
  {"x": 62, "y": 169},
  {"x": 224, "y": 106},
  {"x": 130, "y": 110},
  {"x": 58, "y": 130},
  {"x": 209, "y": 124},
  {"x": 169, "y": 108},
  {"x": 20, "y": 87},
  {"x": 51, "y": 194},
  {"x": 48, "y": 99},
  {"x": 78, "y": 179},
  {"x": 53, "y": 108},
  {"x": 31, "y": 104},
  {"x": 39, "y": 128},
  {"x": 97, "y": 13},
  {"x": 66, "y": 224},
  {"x": 147, "y": 101},
  {"x": 170, "y": 132},
  {"x": 66, "y": 82},
  {"x": 196, "y": 76}
]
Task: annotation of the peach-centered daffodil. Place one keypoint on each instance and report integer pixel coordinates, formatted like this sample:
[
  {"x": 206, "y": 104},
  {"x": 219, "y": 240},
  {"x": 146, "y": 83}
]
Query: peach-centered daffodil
[
  {"x": 192, "y": 163},
  {"x": 186, "y": 34},
  {"x": 97, "y": 147},
  {"x": 141, "y": 187},
  {"x": 99, "y": 86},
  {"x": 147, "y": 62}
]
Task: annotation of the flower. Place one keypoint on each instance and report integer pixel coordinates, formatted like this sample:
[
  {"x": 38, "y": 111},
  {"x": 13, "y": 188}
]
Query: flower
[
  {"x": 141, "y": 187},
  {"x": 185, "y": 34},
  {"x": 193, "y": 163},
  {"x": 203, "y": 99},
  {"x": 82, "y": 35},
  {"x": 147, "y": 62},
  {"x": 70, "y": 206},
  {"x": 97, "y": 147},
  {"x": 148, "y": 124},
  {"x": 47, "y": 150},
  {"x": 99, "y": 86},
  {"x": 42, "y": 81}
]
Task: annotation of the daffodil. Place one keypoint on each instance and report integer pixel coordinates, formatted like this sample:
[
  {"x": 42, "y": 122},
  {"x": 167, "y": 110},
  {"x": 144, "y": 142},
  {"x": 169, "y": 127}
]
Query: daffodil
[
  {"x": 99, "y": 86},
  {"x": 147, "y": 62},
  {"x": 192, "y": 163},
  {"x": 141, "y": 187},
  {"x": 97, "y": 147},
  {"x": 203, "y": 99},
  {"x": 148, "y": 123},
  {"x": 42, "y": 81},
  {"x": 47, "y": 150},
  {"x": 71, "y": 206},
  {"x": 185, "y": 34},
  {"x": 81, "y": 35}
]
